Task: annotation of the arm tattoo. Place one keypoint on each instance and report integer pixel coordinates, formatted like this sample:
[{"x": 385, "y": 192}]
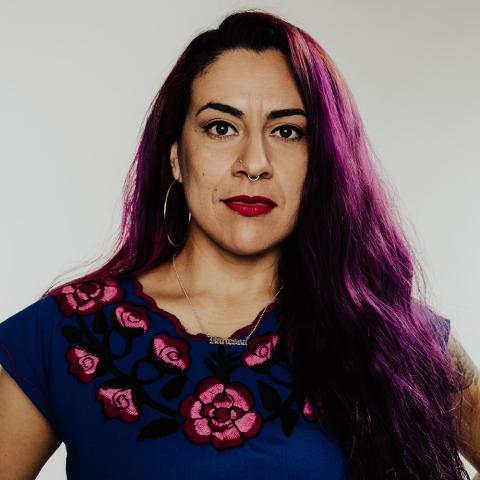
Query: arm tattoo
[
  {"x": 465, "y": 402},
  {"x": 466, "y": 368}
]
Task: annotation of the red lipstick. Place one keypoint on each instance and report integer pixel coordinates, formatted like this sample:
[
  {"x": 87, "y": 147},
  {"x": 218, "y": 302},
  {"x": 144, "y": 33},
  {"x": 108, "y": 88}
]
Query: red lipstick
[{"x": 250, "y": 206}]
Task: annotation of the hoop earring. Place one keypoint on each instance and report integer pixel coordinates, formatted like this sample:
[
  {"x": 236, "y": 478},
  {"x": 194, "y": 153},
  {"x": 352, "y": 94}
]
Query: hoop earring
[{"x": 165, "y": 217}]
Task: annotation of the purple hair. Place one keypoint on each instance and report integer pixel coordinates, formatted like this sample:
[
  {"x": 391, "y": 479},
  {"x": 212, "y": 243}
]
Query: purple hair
[{"x": 357, "y": 339}]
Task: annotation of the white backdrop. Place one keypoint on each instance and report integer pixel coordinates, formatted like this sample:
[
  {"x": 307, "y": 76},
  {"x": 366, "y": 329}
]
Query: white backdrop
[{"x": 77, "y": 79}]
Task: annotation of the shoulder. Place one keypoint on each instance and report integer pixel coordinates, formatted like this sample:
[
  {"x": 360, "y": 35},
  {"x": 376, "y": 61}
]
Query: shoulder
[
  {"x": 79, "y": 298},
  {"x": 465, "y": 401},
  {"x": 86, "y": 297},
  {"x": 30, "y": 320},
  {"x": 469, "y": 376},
  {"x": 441, "y": 324}
]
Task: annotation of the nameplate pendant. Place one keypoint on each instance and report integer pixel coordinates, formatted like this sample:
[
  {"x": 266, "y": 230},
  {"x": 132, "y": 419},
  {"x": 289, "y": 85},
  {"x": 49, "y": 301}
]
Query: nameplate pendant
[{"x": 228, "y": 341}]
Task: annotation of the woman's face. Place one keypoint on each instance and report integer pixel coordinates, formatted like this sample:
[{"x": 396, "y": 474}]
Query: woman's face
[{"x": 214, "y": 139}]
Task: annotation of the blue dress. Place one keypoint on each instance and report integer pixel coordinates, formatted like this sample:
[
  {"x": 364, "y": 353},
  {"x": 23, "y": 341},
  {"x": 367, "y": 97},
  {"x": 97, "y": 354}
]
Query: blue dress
[{"x": 133, "y": 395}]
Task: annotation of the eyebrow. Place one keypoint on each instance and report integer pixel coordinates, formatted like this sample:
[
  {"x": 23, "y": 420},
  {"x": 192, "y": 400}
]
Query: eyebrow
[{"x": 223, "y": 107}]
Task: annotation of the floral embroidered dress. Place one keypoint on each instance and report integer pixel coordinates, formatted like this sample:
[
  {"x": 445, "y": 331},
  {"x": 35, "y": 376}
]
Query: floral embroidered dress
[{"x": 133, "y": 395}]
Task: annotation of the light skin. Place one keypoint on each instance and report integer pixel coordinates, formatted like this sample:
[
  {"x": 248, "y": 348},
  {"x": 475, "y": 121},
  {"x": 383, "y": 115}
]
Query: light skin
[
  {"x": 466, "y": 402},
  {"x": 228, "y": 264}
]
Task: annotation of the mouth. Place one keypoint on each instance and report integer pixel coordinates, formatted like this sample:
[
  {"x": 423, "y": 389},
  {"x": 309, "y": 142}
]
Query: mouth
[
  {"x": 250, "y": 206},
  {"x": 257, "y": 199}
]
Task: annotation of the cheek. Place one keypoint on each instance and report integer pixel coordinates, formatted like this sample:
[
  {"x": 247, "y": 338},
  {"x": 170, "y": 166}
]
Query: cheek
[
  {"x": 294, "y": 179},
  {"x": 202, "y": 189},
  {"x": 194, "y": 168}
]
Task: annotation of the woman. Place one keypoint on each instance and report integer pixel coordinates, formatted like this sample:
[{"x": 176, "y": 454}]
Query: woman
[{"x": 257, "y": 316}]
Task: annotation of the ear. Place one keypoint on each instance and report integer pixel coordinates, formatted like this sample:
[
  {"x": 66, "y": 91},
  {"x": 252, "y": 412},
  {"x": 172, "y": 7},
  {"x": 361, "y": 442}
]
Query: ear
[{"x": 175, "y": 163}]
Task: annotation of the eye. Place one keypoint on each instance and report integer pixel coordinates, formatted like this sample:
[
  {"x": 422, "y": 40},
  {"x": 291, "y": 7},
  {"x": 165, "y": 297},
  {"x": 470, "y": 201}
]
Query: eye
[
  {"x": 287, "y": 129},
  {"x": 221, "y": 127}
]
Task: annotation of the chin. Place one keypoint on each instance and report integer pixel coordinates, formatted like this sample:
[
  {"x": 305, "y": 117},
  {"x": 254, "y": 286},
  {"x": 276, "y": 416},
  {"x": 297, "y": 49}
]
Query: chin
[{"x": 254, "y": 245}]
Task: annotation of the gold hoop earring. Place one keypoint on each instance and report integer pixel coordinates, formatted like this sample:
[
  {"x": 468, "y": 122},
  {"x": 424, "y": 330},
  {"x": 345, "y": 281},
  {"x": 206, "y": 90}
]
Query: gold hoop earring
[{"x": 165, "y": 217}]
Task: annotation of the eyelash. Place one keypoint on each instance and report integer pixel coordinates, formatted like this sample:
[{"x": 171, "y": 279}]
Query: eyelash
[{"x": 207, "y": 127}]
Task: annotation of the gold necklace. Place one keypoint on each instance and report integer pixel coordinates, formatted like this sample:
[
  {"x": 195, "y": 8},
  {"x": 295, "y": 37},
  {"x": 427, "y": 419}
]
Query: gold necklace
[{"x": 221, "y": 340}]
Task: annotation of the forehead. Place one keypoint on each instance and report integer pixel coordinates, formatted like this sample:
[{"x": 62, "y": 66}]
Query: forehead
[{"x": 244, "y": 76}]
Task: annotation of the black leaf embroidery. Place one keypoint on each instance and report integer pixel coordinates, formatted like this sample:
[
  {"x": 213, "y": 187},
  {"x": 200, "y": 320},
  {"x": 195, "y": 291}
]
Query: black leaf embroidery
[
  {"x": 72, "y": 334},
  {"x": 159, "y": 428},
  {"x": 221, "y": 363},
  {"x": 173, "y": 387},
  {"x": 99, "y": 324},
  {"x": 288, "y": 419},
  {"x": 270, "y": 398}
]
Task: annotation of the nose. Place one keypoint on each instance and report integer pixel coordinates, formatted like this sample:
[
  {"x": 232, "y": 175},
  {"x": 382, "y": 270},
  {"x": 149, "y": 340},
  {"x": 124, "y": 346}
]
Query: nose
[{"x": 252, "y": 159}]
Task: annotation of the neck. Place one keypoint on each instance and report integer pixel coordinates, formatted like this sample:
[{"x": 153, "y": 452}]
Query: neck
[{"x": 224, "y": 278}]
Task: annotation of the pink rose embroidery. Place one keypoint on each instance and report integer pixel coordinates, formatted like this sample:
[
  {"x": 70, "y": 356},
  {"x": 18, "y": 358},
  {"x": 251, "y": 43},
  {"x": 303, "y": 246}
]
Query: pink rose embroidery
[
  {"x": 88, "y": 297},
  {"x": 260, "y": 349},
  {"x": 82, "y": 363},
  {"x": 308, "y": 410},
  {"x": 118, "y": 402},
  {"x": 129, "y": 315},
  {"x": 172, "y": 351},
  {"x": 222, "y": 414}
]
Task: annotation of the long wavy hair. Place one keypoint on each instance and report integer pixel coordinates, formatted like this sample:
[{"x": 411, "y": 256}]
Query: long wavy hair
[{"x": 358, "y": 340}]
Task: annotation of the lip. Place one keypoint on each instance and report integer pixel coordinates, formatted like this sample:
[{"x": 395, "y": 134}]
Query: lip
[
  {"x": 252, "y": 200},
  {"x": 248, "y": 209}
]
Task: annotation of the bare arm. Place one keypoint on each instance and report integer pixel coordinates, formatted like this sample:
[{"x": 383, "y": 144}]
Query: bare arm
[
  {"x": 26, "y": 438},
  {"x": 466, "y": 403}
]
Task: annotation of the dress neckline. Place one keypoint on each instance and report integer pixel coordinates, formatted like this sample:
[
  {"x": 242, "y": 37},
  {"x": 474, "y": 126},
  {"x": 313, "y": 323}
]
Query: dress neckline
[{"x": 177, "y": 324}]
